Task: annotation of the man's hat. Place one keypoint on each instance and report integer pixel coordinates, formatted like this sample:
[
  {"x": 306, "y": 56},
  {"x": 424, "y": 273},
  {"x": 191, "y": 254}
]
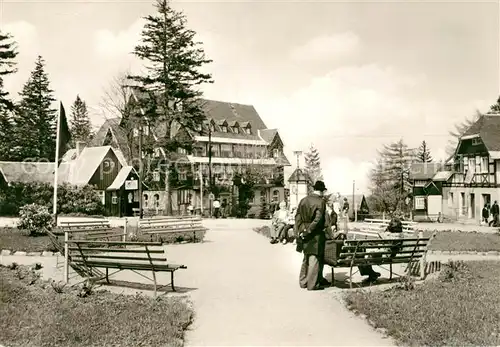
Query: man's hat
[{"x": 319, "y": 186}]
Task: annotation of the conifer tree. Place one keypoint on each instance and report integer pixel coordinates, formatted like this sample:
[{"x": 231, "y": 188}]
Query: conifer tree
[
  {"x": 424, "y": 154},
  {"x": 35, "y": 118},
  {"x": 313, "y": 164},
  {"x": 81, "y": 128},
  {"x": 173, "y": 60}
]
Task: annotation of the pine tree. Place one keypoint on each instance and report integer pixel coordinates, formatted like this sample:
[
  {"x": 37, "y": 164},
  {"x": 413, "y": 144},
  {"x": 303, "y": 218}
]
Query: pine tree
[
  {"x": 173, "y": 60},
  {"x": 81, "y": 128},
  {"x": 313, "y": 164},
  {"x": 424, "y": 154},
  {"x": 35, "y": 118},
  {"x": 7, "y": 55}
]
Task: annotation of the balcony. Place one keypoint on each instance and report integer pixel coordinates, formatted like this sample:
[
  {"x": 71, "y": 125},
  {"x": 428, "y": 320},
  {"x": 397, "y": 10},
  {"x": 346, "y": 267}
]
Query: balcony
[{"x": 477, "y": 180}]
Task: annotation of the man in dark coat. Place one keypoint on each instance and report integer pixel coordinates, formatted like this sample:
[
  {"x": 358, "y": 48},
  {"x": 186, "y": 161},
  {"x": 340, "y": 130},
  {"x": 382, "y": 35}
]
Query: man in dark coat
[
  {"x": 494, "y": 212},
  {"x": 310, "y": 233}
]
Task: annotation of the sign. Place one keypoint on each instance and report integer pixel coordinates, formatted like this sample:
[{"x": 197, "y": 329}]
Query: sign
[
  {"x": 131, "y": 185},
  {"x": 211, "y": 196}
]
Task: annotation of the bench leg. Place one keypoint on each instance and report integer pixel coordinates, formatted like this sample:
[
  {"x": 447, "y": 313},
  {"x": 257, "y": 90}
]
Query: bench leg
[
  {"x": 390, "y": 269},
  {"x": 350, "y": 277},
  {"x": 107, "y": 275},
  {"x": 172, "y": 280},
  {"x": 154, "y": 281},
  {"x": 194, "y": 236},
  {"x": 333, "y": 277}
]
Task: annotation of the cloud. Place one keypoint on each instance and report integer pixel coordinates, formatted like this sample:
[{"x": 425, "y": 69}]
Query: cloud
[
  {"x": 110, "y": 45},
  {"x": 28, "y": 47},
  {"x": 327, "y": 47}
]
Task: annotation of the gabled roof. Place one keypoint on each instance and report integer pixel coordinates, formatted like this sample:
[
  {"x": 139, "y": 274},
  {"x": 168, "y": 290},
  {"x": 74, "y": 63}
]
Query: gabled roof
[
  {"x": 268, "y": 134},
  {"x": 298, "y": 176},
  {"x": 424, "y": 171},
  {"x": 27, "y": 172},
  {"x": 442, "y": 176},
  {"x": 79, "y": 170},
  {"x": 119, "y": 133},
  {"x": 488, "y": 128},
  {"x": 121, "y": 177}
]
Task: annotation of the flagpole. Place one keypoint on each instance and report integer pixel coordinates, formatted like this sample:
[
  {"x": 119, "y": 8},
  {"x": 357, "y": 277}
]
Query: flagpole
[{"x": 54, "y": 208}]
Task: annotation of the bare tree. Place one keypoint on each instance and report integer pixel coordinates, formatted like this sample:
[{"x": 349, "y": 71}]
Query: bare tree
[
  {"x": 459, "y": 130},
  {"x": 116, "y": 95}
]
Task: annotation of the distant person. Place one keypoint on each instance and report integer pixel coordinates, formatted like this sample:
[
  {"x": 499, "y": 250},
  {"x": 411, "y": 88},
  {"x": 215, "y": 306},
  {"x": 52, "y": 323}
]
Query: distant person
[
  {"x": 190, "y": 209},
  {"x": 223, "y": 208},
  {"x": 216, "y": 206},
  {"x": 311, "y": 238},
  {"x": 486, "y": 213},
  {"x": 494, "y": 212},
  {"x": 279, "y": 224},
  {"x": 345, "y": 208}
]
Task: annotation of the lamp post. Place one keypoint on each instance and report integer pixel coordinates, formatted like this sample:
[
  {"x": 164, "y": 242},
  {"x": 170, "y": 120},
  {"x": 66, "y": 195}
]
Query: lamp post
[
  {"x": 297, "y": 154},
  {"x": 210, "y": 188}
]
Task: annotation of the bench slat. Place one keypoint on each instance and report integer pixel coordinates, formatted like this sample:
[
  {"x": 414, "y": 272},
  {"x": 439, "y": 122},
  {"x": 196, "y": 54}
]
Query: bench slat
[
  {"x": 378, "y": 261},
  {"x": 119, "y": 250},
  {"x": 90, "y": 256},
  {"x": 133, "y": 266},
  {"x": 162, "y": 231},
  {"x": 388, "y": 252},
  {"x": 125, "y": 243}
]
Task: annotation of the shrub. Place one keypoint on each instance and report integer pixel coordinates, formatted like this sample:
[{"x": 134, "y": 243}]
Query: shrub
[
  {"x": 35, "y": 219},
  {"x": 264, "y": 211}
]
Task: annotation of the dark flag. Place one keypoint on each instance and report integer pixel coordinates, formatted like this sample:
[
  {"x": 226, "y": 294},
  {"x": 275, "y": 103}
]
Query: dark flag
[{"x": 63, "y": 135}]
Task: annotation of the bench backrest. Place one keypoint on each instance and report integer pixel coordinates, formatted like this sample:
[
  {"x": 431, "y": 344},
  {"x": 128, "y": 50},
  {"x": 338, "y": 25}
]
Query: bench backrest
[
  {"x": 382, "y": 251},
  {"x": 116, "y": 252},
  {"x": 89, "y": 229},
  {"x": 373, "y": 228},
  {"x": 153, "y": 225}
]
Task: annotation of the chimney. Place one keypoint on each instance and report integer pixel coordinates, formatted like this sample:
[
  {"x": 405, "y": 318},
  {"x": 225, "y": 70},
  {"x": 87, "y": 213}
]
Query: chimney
[{"x": 80, "y": 145}]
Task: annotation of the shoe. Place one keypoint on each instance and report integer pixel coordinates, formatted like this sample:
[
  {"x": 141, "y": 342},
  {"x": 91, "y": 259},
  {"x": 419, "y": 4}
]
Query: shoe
[
  {"x": 317, "y": 288},
  {"x": 284, "y": 241},
  {"x": 324, "y": 282},
  {"x": 372, "y": 278},
  {"x": 273, "y": 241}
]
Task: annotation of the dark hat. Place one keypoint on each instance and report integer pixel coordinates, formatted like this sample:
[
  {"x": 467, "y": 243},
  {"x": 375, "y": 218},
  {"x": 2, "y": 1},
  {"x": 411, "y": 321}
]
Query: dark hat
[{"x": 319, "y": 186}]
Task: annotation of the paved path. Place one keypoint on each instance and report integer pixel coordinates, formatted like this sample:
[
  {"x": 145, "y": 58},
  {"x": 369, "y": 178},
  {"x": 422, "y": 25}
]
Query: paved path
[{"x": 248, "y": 294}]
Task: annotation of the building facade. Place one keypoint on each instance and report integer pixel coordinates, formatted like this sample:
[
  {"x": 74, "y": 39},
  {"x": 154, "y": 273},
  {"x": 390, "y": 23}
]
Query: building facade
[{"x": 232, "y": 140}]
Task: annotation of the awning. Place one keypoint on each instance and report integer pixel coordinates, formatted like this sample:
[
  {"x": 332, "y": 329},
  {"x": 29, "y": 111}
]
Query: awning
[{"x": 120, "y": 178}]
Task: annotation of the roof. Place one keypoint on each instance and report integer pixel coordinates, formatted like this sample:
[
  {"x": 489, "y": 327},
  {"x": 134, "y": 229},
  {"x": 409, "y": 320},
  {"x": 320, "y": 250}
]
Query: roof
[
  {"x": 120, "y": 178},
  {"x": 119, "y": 133},
  {"x": 442, "y": 176},
  {"x": 27, "y": 172},
  {"x": 488, "y": 128},
  {"x": 424, "y": 171},
  {"x": 268, "y": 134},
  {"x": 298, "y": 176},
  {"x": 357, "y": 197},
  {"x": 79, "y": 170}
]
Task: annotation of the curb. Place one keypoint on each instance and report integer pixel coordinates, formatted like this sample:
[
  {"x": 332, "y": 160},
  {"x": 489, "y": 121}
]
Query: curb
[
  {"x": 8, "y": 252},
  {"x": 481, "y": 253}
]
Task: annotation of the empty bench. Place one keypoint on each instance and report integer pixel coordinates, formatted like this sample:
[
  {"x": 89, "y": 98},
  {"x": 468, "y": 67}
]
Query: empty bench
[
  {"x": 120, "y": 255},
  {"x": 156, "y": 227},
  {"x": 377, "y": 252},
  {"x": 89, "y": 230},
  {"x": 374, "y": 227}
]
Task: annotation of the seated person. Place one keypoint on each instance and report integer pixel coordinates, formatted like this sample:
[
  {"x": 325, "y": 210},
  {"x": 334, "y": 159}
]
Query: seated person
[
  {"x": 279, "y": 224},
  {"x": 394, "y": 230}
]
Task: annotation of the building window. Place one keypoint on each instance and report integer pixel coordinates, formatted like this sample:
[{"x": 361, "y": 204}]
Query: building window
[
  {"x": 420, "y": 203},
  {"x": 450, "y": 199},
  {"x": 135, "y": 132},
  {"x": 484, "y": 164},
  {"x": 114, "y": 198},
  {"x": 182, "y": 176},
  {"x": 276, "y": 195},
  {"x": 236, "y": 130},
  {"x": 181, "y": 150},
  {"x": 224, "y": 129},
  {"x": 157, "y": 200},
  {"x": 248, "y": 131},
  {"x": 156, "y": 176},
  {"x": 419, "y": 183},
  {"x": 276, "y": 153},
  {"x": 102, "y": 195},
  {"x": 146, "y": 200},
  {"x": 476, "y": 141}
]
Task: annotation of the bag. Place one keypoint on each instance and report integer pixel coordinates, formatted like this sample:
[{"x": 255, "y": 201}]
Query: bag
[{"x": 333, "y": 248}]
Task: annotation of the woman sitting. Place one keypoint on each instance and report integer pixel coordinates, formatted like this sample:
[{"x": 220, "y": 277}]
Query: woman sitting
[{"x": 279, "y": 224}]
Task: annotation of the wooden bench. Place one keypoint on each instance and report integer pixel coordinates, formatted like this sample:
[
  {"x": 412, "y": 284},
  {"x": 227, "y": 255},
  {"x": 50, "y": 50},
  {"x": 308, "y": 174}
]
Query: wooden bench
[
  {"x": 373, "y": 227},
  {"x": 90, "y": 230},
  {"x": 377, "y": 252},
  {"x": 120, "y": 255},
  {"x": 167, "y": 225}
]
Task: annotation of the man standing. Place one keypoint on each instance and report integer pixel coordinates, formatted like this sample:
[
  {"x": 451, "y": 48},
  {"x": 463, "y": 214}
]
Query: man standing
[
  {"x": 310, "y": 233},
  {"x": 494, "y": 211},
  {"x": 216, "y": 207}
]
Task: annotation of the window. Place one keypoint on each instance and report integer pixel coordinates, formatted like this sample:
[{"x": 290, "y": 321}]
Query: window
[
  {"x": 248, "y": 131},
  {"x": 102, "y": 195},
  {"x": 135, "y": 132},
  {"x": 450, "y": 199},
  {"x": 476, "y": 141},
  {"x": 182, "y": 176},
  {"x": 145, "y": 201},
  {"x": 276, "y": 195},
  {"x": 236, "y": 130},
  {"x": 420, "y": 203},
  {"x": 157, "y": 200},
  {"x": 114, "y": 199},
  {"x": 181, "y": 150},
  {"x": 484, "y": 164},
  {"x": 276, "y": 153},
  {"x": 224, "y": 128},
  {"x": 156, "y": 176}
]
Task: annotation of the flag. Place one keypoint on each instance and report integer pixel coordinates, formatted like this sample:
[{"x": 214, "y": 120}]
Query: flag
[{"x": 63, "y": 133}]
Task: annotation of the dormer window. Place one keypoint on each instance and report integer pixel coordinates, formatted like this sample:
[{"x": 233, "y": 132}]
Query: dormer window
[
  {"x": 236, "y": 130},
  {"x": 224, "y": 128},
  {"x": 248, "y": 131},
  {"x": 476, "y": 141},
  {"x": 276, "y": 153}
]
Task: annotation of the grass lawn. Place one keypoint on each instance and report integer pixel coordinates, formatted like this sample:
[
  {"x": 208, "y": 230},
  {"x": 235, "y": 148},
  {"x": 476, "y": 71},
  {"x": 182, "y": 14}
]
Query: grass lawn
[
  {"x": 15, "y": 240},
  {"x": 460, "y": 308},
  {"x": 32, "y": 313},
  {"x": 447, "y": 240}
]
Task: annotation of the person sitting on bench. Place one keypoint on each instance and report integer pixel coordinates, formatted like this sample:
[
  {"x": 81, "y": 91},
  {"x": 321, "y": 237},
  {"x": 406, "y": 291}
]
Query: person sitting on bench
[
  {"x": 279, "y": 223},
  {"x": 394, "y": 230}
]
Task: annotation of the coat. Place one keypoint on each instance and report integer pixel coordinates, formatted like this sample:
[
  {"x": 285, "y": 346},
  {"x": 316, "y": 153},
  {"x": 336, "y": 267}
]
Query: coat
[{"x": 310, "y": 221}]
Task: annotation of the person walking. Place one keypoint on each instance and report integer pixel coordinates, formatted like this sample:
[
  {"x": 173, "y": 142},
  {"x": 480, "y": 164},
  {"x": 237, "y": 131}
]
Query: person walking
[
  {"x": 216, "y": 206},
  {"x": 486, "y": 213},
  {"x": 310, "y": 234},
  {"x": 494, "y": 212}
]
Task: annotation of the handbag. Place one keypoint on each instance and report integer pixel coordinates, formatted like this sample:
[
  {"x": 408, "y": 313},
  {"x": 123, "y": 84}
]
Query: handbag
[{"x": 333, "y": 248}]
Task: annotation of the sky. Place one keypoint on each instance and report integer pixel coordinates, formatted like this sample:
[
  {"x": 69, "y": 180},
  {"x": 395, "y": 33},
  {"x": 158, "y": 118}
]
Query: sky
[{"x": 346, "y": 77}]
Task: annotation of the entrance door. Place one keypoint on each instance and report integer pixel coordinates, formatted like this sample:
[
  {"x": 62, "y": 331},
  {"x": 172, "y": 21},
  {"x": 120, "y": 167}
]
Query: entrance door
[
  {"x": 472, "y": 206},
  {"x": 462, "y": 206},
  {"x": 486, "y": 199}
]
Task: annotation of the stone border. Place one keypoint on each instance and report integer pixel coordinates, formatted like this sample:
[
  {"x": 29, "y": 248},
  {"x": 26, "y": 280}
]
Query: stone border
[
  {"x": 493, "y": 231},
  {"x": 8, "y": 252},
  {"x": 482, "y": 253}
]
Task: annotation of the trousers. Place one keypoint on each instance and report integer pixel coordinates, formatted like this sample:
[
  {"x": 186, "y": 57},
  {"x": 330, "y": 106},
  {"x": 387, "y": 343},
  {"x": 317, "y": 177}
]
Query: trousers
[{"x": 309, "y": 271}]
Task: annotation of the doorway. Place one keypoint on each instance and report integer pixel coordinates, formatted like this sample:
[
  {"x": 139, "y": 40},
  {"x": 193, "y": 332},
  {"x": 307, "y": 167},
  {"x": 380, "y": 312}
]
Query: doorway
[{"x": 472, "y": 206}]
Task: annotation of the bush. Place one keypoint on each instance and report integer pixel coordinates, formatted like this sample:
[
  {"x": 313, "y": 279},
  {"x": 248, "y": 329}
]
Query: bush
[
  {"x": 71, "y": 199},
  {"x": 35, "y": 219},
  {"x": 264, "y": 211}
]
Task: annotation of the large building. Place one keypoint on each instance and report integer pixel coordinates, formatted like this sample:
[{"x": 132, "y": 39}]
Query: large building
[
  {"x": 239, "y": 140},
  {"x": 471, "y": 180}
]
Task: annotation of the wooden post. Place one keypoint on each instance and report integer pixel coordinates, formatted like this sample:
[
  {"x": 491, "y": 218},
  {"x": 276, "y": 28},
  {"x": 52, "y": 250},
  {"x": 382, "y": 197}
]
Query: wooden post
[
  {"x": 422, "y": 259},
  {"x": 383, "y": 215},
  {"x": 125, "y": 230},
  {"x": 66, "y": 257}
]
